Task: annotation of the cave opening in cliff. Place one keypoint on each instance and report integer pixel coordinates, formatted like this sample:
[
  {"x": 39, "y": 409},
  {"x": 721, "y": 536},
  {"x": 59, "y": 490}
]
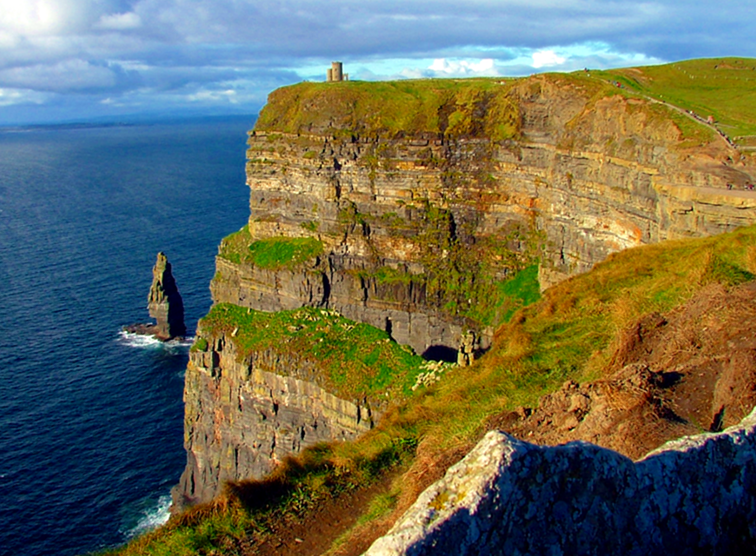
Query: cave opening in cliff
[{"x": 440, "y": 353}]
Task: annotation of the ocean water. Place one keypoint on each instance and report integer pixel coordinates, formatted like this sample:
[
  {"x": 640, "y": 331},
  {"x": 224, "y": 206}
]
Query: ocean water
[{"x": 91, "y": 420}]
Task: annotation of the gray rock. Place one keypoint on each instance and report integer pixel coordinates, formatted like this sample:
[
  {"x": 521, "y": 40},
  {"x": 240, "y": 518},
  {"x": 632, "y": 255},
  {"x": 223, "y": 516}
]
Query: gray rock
[
  {"x": 164, "y": 304},
  {"x": 691, "y": 496},
  {"x": 164, "y": 301}
]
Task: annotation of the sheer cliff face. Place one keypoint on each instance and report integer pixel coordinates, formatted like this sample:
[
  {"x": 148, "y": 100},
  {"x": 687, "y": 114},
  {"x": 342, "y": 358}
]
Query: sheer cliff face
[
  {"x": 245, "y": 414},
  {"x": 413, "y": 230},
  {"x": 416, "y": 227}
]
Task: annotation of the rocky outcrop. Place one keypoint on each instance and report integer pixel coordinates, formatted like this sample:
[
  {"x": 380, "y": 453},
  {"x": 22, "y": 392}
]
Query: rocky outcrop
[
  {"x": 164, "y": 303},
  {"x": 673, "y": 374},
  {"x": 243, "y": 415},
  {"x": 692, "y": 496},
  {"x": 419, "y": 227}
]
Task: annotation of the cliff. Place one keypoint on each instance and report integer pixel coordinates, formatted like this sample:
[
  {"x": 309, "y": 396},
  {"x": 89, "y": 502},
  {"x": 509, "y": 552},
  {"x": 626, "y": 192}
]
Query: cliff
[
  {"x": 410, "y": 207},
  {"x": 260, "y": 387},
  {"x": 423, "y": 197}
]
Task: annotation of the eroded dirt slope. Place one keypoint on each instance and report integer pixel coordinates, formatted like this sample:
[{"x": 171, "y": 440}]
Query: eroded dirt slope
[{"x": 690, "y": 370}]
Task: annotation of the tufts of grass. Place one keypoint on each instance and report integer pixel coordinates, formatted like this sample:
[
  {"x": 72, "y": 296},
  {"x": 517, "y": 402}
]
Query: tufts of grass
[
  {"x": 351, "y": 359},
  {"x": 272, "y": 253},
  {"x": 284, "y": 252},
  {"x": 200, "y": 344}
]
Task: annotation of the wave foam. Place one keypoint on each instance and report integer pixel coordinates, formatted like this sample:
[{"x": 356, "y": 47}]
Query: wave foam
[
  {"x": 151, "y": 516},
  {"x": 151, "y": 342}
]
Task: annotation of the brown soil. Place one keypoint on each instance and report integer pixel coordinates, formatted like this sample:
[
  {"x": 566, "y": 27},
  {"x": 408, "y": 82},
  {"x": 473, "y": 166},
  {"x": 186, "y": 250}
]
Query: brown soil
[
  {"x": 691, "y": 370},
  {"x": 315, "y": 533}
]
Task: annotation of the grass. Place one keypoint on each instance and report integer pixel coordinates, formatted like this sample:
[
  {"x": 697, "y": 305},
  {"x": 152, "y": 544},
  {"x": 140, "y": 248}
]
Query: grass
[
  {"x": 284, "y": 252},
  {"x": 273, "y": 253},
  {"x": 412, "y": 106},
  {"x": 351, "y": 360},
  {"x": 724, "y": 88}
]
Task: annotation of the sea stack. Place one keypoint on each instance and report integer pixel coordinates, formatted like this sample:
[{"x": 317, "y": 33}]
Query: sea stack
[{"x": 164, "y": 302}]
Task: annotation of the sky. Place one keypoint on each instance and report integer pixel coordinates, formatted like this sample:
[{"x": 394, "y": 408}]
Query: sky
[{"x": 82, "y": 60}]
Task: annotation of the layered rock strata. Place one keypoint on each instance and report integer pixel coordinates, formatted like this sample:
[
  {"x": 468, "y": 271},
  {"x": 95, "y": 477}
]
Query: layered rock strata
[
  {"x": 692, "y": 496},
  {"x": 414, "y": 229},
  {"x": 164, "y": 303},
  {"x": 418, "y": 227},
  {"x": 243, "y": 415}
]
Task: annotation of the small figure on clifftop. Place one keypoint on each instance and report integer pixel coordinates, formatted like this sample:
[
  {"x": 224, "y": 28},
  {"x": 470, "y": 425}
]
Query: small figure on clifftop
[{"x": 164, "y": 304}]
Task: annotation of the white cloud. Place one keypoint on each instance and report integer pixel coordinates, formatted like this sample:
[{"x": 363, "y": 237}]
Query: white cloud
[
  {"x": 9, "y": 97},
  {"x": 229, "y": 95},
  {"x": 119, "y": 22},
  {"x": 69, "y": 75},
  {"x": 547, "y": 59},
  {"x": 46, "y": 17},
  {"x": 460, "y": 68}
]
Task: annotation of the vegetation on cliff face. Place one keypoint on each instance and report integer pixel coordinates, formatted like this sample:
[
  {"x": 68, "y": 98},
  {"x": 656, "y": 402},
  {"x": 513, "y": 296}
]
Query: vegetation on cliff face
[
  {"x": 350, "y": 359},
  {"x": 271, "y": 253},
  {"x": 570, "y": 333}
]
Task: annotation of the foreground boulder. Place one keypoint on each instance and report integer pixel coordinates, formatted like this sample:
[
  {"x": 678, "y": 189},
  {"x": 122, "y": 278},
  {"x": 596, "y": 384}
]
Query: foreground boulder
[
  {"x": 164, "y": 304},
  {"x": 696, "y": 495}
]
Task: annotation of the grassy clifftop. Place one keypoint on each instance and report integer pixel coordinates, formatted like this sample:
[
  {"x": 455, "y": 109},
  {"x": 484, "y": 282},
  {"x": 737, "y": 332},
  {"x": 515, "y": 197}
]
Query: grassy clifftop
[
  {"x": 724, "y": 88},
  {"x": 475, "y": 106}
]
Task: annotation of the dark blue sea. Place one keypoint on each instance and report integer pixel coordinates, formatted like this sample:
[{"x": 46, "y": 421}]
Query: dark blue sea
[{"x": 91, "y": 421}]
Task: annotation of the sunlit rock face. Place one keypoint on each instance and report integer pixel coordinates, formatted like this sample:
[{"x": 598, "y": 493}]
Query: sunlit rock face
[
  {"x": 696, "y": 495},
  {"x": 417, "y": 227},
  {"x": 243, "y": 416},
  {"x": 414, "y": 231}
]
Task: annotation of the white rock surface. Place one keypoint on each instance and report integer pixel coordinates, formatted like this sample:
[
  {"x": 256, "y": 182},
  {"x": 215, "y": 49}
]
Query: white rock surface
[{"x": 696, "y": 495}]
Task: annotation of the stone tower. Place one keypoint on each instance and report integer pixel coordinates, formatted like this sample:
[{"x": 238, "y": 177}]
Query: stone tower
[{"x": 336, "y": 73}]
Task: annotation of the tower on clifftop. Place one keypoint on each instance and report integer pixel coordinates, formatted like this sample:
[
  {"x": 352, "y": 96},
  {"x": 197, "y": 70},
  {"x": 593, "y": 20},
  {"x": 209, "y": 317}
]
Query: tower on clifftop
[{"x": 336, "y": 73}]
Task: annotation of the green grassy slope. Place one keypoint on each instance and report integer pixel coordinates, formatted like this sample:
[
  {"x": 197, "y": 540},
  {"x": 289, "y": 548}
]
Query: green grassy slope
[{"x": 724, "y": 88}]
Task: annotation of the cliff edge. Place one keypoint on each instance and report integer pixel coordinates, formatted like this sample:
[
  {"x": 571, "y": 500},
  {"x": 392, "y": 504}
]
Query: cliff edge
[{"x": 411, "y": 208}]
